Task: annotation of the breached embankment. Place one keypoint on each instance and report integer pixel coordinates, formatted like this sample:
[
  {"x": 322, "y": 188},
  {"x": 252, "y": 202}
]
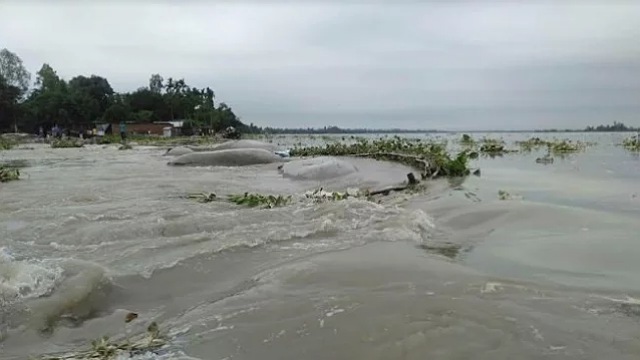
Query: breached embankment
[{"x": 227, "y": 157}]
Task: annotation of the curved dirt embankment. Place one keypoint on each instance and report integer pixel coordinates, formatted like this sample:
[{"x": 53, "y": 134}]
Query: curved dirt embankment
[{"x": 227, "y": 157}]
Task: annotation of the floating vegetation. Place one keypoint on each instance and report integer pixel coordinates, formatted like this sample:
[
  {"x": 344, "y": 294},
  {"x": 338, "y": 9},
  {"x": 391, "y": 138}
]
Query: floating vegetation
[
  {"x": 493, "y": 147},
  {"x": 106, "y": 349},
  {"x": 203, "y": 197},
  {"x": 565, "y": 146},
  {"x": 554, "y": 146},
  {"x": 547, "y": 159},
  {"x": 632, "y": 143},
  {"x": 9, "y": 174},
  {"x": 533, "y": 143},
  {"x": 485, "y": 146},
  {"x": 431, "y": 159},
  {"x": 503, "y": 195},
  {"x": 467, "y": 140},
  {"x": 66, "y": 143},
  {"x": 320, "y": 195},
  {"x": 265, "y": 201}
]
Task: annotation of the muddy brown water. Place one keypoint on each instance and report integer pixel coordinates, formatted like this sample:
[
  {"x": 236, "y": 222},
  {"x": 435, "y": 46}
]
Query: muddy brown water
[{"x": 90, "y": 234}]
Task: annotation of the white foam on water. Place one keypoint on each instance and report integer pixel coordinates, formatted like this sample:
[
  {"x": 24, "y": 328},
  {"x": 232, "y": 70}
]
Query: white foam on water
[
  {"x": 172, "y": 355},
  {"x": 24, "y": 279}
]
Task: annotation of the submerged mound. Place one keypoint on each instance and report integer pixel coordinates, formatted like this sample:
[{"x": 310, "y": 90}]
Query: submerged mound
[
  {"x": 319, "y": 168},
  {"x": 228, "y": 157},
  {"x": 245, "y": 144},
  {"x": 178, "y": 151}
]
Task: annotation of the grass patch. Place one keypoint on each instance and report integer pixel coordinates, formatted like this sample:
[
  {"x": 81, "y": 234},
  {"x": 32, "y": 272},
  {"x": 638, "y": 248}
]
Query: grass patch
[
  {"x": 175, "y": 141},
  {"x": 66, "y": 143},
  {"x": 9, "y": 174},
  {"x": 108, "y": 139},
  {"x": 6, "y": 144},
  {"x": 430, "y": 158}
]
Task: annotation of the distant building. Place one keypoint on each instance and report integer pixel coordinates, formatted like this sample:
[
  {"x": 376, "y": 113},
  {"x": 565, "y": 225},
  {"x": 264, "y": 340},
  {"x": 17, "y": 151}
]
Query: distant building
[{"x": 159, "y": 128}]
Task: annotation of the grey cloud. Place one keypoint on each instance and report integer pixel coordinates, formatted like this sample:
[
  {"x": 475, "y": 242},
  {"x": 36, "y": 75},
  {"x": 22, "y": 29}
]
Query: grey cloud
[{"x": 436, "y": 65}]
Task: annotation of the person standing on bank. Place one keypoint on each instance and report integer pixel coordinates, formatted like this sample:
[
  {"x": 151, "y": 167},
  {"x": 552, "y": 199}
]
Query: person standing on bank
[{"x": 123, "y": 131}]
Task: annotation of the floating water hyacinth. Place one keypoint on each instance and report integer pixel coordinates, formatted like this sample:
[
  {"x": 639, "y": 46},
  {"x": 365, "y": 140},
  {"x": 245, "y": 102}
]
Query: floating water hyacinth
[
  {"x": 430, "y": 158},
  {"x": 553, "y": 146}
]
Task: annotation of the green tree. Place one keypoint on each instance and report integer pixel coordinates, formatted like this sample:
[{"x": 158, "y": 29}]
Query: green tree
[
  {"x": 144, "y": 99},
  {"x": 95, "y": 87},
  {"x": 9, "y": 109},
  {"x": 156, "y": 83},
  {"x": 84, "y": 100},
  {"x": 13, "y": 71}
]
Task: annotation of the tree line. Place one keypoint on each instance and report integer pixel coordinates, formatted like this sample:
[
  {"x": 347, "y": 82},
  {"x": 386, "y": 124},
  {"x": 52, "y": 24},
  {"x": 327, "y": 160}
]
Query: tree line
[
  {"x": 617, "y": 126},
  {"x": 84, "y": 101}
]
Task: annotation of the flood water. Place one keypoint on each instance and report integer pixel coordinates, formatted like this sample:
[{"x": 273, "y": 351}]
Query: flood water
[{"x": 91, "y": 234}]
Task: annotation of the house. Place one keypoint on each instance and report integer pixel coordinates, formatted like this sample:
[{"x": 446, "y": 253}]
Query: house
[
  {"x": 171, "y": 128},
  {"x": 158, "y": 128}
]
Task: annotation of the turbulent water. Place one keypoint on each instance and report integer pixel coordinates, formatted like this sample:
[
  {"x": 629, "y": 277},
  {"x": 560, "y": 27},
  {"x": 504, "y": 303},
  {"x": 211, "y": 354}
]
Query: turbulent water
[{"x": 90, "y": 234}]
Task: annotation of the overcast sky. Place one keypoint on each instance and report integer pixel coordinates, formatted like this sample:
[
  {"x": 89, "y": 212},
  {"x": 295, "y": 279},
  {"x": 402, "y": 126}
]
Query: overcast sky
[{"x": 461, "y": 65}]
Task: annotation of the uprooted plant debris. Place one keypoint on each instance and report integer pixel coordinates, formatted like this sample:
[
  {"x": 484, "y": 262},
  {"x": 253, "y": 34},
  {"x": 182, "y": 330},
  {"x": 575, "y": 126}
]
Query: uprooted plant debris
[
  {"x": 254, "y": 200},
  {"x": 430, "y": 158},
  {"x": 8, "y": 173},
  {"x": 107, "y": 349},
  {"x": 318, "y": 195}
]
